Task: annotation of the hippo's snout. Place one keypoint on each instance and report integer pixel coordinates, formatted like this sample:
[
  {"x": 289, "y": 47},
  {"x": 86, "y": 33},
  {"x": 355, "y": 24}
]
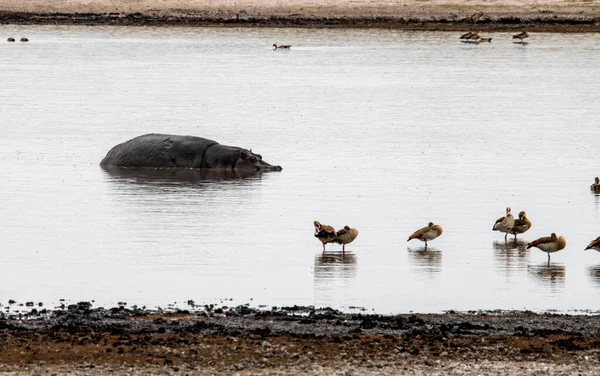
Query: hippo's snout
[
  {"x": 263, "y": 166},
  {"x": 273, "y": 168}
]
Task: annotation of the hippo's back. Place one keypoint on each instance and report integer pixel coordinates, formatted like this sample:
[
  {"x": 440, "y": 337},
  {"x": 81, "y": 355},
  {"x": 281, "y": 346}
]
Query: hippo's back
[{"x": 159, "y": 150}]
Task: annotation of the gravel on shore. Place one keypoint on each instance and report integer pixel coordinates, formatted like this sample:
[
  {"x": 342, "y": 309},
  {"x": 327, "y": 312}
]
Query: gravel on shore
[{"x": 291, "y": 340}]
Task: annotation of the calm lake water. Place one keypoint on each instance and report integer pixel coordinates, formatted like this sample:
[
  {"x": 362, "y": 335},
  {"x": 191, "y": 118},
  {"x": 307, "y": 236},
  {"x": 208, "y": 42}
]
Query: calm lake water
[{"x": 381, "y": 130}]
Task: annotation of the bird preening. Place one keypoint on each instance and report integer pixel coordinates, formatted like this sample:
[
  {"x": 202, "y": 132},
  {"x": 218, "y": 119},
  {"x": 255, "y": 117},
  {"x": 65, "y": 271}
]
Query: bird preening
[
  {"x": 521, "y": 225},
  {"x": 429, "y": 232},
  {"x": 549, "y": 244},
  {"x": 594, "y": 244},
  {"x": 505, "y": 224},
  {"x": 327, "y": 234}
]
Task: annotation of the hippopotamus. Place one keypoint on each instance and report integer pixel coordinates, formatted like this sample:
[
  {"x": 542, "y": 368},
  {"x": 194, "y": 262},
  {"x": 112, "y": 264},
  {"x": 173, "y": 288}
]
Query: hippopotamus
[{"x": 171, "y": 151}]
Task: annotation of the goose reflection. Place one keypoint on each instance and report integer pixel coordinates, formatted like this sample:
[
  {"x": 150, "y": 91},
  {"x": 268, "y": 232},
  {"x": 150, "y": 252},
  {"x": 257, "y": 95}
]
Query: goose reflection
[
  {"x": 429, "y": 257},
  {"x": 511, "y": 255},
  {"x": 511, "y": 248},
  {"x": 335, "y": 265},
  {"x": 553, "y": 273},
  {"x": 594, "y": 272}
]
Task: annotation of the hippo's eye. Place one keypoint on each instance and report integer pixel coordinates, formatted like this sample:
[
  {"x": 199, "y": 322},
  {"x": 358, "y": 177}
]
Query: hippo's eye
[
  {"x": 253, "y": 159},
  {"x": 243, "y": 156}
]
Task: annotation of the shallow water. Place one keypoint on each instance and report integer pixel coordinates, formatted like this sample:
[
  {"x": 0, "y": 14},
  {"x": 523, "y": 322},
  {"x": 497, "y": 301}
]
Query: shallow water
[{"x": 377, "y": 129}]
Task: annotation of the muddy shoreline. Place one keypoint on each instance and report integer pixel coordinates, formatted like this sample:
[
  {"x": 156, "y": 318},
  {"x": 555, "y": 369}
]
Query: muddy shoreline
[
  {"x": 542, "y": 21},
  {"x": 285, "y": 340}
]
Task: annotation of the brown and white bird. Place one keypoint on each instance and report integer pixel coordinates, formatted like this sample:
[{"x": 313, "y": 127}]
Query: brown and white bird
[
  {"x": 520, "y": 36},
  {"x": 325, "y": 233},
  {"x": 24, "y": 39},
  {"x": 522, "y": 224},
  {"x": 346, "y": 236},
  {"x": 596, "y": 186},
  {"x": 10, "y": 39},
  {"x": 469, "y": 35},
  {"x": 429, "y": 232},
  {"x": 594, "y": 244},
  {"x": 476, "y": 17},
  {"x": 282, "y": 47},
  {"x": 505, "y": 224},
  {"x": 549, "y": 244}
]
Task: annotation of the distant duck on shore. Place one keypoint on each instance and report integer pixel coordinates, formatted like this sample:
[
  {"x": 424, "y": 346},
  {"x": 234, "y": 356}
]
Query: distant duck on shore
[
  {"x": 10, "y": 39},
  {"x": 24, "y": 39},
  {"x": 520, "y": 36},
  {"x": 282, "y": 47},
  {"x": 473, "y": 37}
]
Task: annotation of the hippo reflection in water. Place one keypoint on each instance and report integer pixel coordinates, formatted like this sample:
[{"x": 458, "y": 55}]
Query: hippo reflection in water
[{"x": 170, "y": 151}]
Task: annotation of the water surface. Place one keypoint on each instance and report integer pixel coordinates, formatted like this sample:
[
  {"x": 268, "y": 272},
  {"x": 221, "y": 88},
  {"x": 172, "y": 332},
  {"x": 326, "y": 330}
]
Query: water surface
[{"x": 377, "y": 129}]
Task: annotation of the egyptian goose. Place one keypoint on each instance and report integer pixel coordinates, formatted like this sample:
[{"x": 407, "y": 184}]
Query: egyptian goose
[
  {"x": 326, "y": 234},
  {"x": 520, "y": 36},
  {"x": 505, "y": 224},
  {"x": 10, "y": 40},
  {"x": 346, "y": 236},
  {"x": 594, "y": 244},
  {"x": 24, "y": 39},
  {"x": 469, "y": 35},
  {"x": 282, "y": 47},
  {"x": 549, "y": 244},
  {"x": 429, "y": 232},
  {"x": 596, "y": 186},
  {"x": 521, "y": 225},
  {"x": 476, "y": 17}
]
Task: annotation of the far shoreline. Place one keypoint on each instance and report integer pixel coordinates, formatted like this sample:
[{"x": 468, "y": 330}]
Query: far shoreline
[{"x": 541, "y": 22}]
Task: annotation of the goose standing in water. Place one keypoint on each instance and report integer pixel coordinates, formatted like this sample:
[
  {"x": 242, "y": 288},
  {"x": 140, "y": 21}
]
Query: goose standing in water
[
  {"x": 24, "y": 39},
  {"x": 325, "y": 233},
  {"x": 521, "y": 225},
  {"x": 594, "y": 244},
  {"x": 549, "y": 244},
  {"x": 520, "y": 36},
  {"x": 10, "y": 39},
  {"x": 429, "y": 232},
  {"x": 469, "y": 35},
  {"x": 505, "y": 224},
  {"x": 282, "y": 47},
  {"x": 596, "y": 186},
  {"x": 346, "y": 236}
]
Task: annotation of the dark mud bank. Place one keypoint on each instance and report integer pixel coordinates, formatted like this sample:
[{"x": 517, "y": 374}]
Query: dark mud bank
[
  {"x": 547, "y": 21},
  {"x": 298, "y": 321},
  {"x": 281, "y": 334}
]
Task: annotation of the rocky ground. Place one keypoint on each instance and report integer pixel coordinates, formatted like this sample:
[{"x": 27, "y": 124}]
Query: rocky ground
[
  {"x": 294, "y": 340},
  {"x": 488, "y": 15}
]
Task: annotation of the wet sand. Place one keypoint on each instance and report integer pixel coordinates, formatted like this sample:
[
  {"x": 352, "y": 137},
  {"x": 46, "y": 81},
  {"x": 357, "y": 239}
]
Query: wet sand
[
  {"x": 542, "y": 15},
  {"x": 295, "y": 340}
]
